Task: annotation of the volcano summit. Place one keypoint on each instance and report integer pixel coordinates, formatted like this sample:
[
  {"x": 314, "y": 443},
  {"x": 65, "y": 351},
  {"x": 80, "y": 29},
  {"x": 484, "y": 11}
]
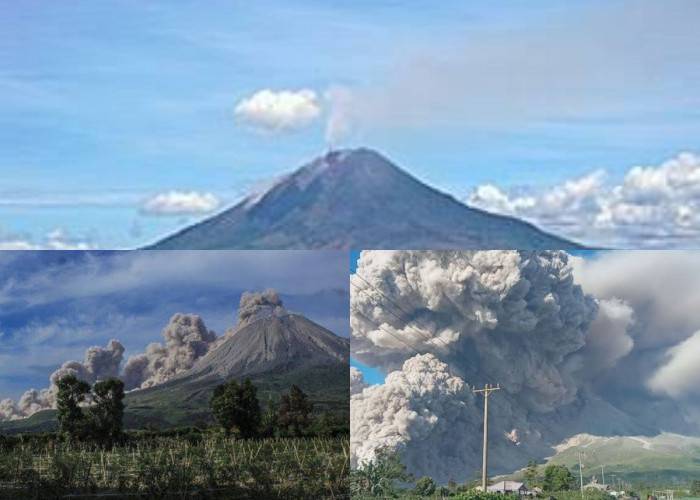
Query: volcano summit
[{"x": 357, "y": 198}]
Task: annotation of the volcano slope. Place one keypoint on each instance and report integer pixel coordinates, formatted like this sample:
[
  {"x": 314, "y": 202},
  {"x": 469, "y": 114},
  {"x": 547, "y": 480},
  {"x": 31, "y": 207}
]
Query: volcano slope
[
  {"x": 273, "y": 351},
  {"x": 357, "y": 198}
]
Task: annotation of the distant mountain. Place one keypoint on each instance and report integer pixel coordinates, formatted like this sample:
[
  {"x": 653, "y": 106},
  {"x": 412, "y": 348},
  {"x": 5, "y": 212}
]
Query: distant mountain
[
  {"x": 274, "y": 351},
  {"x": 663, "y": 459},
  {"x": 357, "y": 199}
]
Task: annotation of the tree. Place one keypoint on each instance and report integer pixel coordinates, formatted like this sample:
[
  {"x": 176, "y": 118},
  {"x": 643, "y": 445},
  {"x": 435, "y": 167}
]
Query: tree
[
  {"x": 236, "y": 405},
  {"x": 557, "y": 478},
  {"x": 269, "y": 418},
  {"x": 425, "y": 486},
  {"x": 294, "y": 412},
  {"x": 71, "y": 392},
  {"x": 531, "y": 474},
  {"x": 379, "y": 476},
  {"x": 451, "y": 484},
  {"x": 695, "y": 486},
  {"x": 107, "y": 412}
]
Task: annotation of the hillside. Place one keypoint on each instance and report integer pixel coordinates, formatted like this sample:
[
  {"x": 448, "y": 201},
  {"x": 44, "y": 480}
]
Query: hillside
[
  {"x": 664, "y": 459},
  {"x": 275, "y": 352},
  {"x": 357, "y": 199}
]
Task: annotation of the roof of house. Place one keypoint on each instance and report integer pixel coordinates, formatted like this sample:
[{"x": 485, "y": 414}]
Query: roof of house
[{"x": 507, "y": 486}]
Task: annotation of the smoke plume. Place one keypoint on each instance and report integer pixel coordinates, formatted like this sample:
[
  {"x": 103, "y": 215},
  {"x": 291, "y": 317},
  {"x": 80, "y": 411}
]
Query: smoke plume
[
  {"x": 255, "y": 305},
  {"x": 186, "y": 340},
  {"x": 357, "y": 381},
  {"x": 99, "y": 363},
  {"x": 516, "y": 317}
]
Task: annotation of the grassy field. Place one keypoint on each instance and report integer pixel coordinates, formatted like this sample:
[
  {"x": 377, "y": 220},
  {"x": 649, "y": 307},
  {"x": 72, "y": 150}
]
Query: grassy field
[{"x": 216, "y": 467}]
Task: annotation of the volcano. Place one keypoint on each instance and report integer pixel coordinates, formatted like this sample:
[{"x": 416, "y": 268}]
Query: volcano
[
  {"x": 357, "y": 198},
  {"x": 274, "y": 351}
]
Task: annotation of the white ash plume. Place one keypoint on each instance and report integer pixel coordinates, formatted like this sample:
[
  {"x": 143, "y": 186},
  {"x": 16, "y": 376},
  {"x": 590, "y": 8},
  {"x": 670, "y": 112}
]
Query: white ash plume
[
  {"x": 422, "y": 412},
  {"x": 99, "y": 363},
  {"x": 186, "y": 340},
  {"x": 256, "y": 305},
  {"x": 357, "y": 381}
]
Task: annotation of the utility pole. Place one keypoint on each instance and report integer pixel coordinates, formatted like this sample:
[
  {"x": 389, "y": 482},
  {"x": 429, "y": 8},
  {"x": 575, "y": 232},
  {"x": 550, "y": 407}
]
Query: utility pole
[
  {"x": 602, "y": 470},
  {"x": 580, "y": 469},
  {"x": 613, "y": 480},
  {"x": 486, "y": 391}
]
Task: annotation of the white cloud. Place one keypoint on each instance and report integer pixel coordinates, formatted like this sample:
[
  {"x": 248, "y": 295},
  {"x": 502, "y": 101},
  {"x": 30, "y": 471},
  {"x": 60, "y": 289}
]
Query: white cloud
[
  {"x": 180, "y": 203},
  {"x": 57, "y": 239},
  {"x": 285, "y": 110},
  {"x": 653, "y": 206}
]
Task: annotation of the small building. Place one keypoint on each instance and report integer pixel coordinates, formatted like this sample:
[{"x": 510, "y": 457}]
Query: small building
[
  {"x": 595, "y": 485},
  {"x": 509, "y": 487}
]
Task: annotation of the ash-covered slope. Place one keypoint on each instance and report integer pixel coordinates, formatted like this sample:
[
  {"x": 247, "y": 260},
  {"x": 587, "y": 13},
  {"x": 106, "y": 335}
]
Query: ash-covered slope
[
  {"x": 357, "y": 199},
  {"x": 273, "y": 344}
]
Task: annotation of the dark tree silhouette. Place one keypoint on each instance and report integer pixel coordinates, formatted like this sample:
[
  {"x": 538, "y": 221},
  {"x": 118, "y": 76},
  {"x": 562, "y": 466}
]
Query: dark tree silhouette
[
  {"x": 294, "y": 412},
  {"x": 107, "y": 413},
  {"x": 71, "y": 392},
  {"x": 236, "y": 406}
]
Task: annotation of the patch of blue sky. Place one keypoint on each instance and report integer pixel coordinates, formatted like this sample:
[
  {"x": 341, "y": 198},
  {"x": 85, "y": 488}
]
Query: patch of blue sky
[{"x": 146, "y": 103}]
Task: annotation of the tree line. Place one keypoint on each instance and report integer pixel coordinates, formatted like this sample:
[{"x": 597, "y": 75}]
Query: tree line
[
  {"x": 236, "y": 408},
  {"x": 96, "y": 413}
]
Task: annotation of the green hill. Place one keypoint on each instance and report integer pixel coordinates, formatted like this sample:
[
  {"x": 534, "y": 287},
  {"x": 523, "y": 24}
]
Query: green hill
[{"x": 665, "y": 459}]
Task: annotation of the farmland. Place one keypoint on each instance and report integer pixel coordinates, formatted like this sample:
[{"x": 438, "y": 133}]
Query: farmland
[{"x": 172, "y": 467}]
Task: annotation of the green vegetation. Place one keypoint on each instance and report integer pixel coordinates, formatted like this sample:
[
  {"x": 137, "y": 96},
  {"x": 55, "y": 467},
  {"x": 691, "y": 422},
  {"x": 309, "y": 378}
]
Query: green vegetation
[
  {"x": 213, "y": 467},
  {"x": 184, "y": 401},
  {"x": 385, "y": 477},
  {"x": 90, "y": 454},
  {"x": 293, "y": 416},
  {"x": 236, "y": 406},
  {"x": 557, "y": 478}
]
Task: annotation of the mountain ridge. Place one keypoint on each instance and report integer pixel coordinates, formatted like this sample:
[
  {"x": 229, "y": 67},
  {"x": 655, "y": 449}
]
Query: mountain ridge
[{"x": 357, "y": 198}]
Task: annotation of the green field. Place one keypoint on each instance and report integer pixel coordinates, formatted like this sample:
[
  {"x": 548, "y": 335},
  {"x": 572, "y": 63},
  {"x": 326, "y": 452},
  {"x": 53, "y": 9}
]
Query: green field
[{"x": 215, "y": 467}]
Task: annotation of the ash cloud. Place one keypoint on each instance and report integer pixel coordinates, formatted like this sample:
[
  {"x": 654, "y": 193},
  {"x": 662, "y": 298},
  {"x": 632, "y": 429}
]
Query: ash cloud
[
  {"x": 99, "y": 363},
  {"x": 529, "y": 321},
  {"x": 357, "y": 381},
  {"x": 255, "y": 305},
  {"x": 186, "y": 340}
]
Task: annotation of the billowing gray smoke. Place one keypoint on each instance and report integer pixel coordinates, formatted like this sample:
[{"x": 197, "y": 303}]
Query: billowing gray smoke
[
  {"x": 357, "y": 381},
  {"x": 99, "y": 364},
  {"x": 186, "y": 340},
  {"x": 255, "y": 305},
  {"x": 417, "y": 407},
  {"x": 513, "y": 317}
]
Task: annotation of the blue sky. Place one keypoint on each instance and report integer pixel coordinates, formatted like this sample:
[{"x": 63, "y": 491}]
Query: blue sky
[
  {"x": 54, "y": 305},
  {"x": 106, "y": 105}
]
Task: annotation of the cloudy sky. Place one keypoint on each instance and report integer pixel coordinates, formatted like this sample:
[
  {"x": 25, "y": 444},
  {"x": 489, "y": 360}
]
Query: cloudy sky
[
  {"x": 113, "y": 133},
  {"x": 54, "y": 305}
]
